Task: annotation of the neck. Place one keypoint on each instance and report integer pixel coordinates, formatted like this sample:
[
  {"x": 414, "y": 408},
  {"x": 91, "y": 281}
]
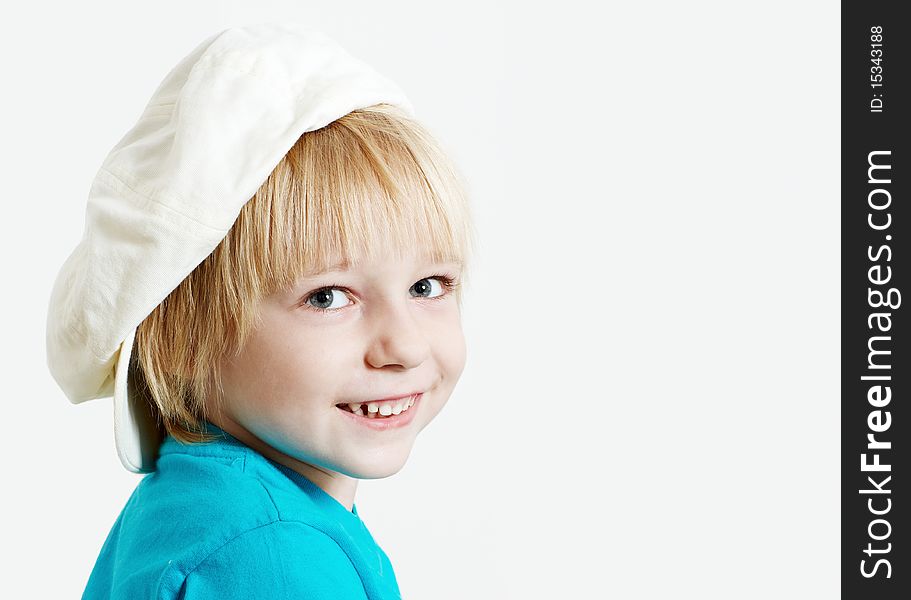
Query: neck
[{"x": 341, "y": 487}]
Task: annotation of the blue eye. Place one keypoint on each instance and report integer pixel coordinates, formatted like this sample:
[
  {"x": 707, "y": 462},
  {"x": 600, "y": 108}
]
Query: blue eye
[
  {"x": 325, "y": 298},
  {"x": 423, "y": 287}
]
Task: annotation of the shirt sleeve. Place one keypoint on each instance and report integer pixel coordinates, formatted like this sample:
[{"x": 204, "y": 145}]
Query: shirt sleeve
[{"x": 280, "y": 560}]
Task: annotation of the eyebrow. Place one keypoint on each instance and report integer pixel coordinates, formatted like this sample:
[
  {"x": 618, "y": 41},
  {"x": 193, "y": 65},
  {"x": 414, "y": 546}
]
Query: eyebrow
[
  {"x": 344, "y": 265},
  {"x": 338, "y": 266}
]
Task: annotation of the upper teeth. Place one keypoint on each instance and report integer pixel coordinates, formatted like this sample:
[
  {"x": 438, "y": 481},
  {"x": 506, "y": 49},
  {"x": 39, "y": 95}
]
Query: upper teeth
[{"x": 385, "y": 408}]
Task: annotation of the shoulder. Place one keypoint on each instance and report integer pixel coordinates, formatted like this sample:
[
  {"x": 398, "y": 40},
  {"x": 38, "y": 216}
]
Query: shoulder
[
  {"x": 217, "y": 523},
  {"x": 202, "y": 501},
  {"x": 236, "y": 539},
  {"x": 282, "y": 559}
]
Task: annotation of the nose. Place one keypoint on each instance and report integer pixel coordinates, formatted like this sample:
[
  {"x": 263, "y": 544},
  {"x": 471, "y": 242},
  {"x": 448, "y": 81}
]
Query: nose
[{"x": 398, "y": 338}]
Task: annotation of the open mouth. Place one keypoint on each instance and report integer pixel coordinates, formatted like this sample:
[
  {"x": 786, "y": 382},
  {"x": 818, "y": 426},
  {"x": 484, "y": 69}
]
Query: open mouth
[{"x": 386, "y": 409}]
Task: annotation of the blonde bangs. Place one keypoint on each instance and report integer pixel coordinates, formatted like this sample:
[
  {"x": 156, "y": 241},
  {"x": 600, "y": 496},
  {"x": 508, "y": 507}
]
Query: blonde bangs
[{"x": 370, "y": 185}]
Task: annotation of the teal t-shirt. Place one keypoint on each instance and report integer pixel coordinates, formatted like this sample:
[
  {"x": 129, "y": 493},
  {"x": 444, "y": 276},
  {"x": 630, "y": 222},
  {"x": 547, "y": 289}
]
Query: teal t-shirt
[{"x": 220, "y": 520}]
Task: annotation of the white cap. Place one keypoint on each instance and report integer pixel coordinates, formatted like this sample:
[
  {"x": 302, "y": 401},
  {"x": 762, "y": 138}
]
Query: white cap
[{"x": 172, "y": 187}]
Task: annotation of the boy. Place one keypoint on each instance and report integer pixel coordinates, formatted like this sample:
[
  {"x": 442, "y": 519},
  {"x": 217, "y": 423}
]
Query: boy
[{"x": 269, "y": 284}]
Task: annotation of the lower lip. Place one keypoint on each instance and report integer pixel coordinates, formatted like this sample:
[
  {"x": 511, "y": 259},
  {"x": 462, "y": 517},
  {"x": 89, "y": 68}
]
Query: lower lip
[{"x": 391, "y": 422}]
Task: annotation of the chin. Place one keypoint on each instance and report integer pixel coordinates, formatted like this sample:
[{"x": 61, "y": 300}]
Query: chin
[{"x": 383, "y": 464}]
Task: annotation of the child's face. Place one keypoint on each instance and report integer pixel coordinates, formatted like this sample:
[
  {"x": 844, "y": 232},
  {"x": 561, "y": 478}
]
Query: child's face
[{"x": 392, "y": 329}]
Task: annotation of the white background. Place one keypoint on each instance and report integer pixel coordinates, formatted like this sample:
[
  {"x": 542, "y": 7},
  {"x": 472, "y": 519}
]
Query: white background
[{"x": 650, "y": 405}]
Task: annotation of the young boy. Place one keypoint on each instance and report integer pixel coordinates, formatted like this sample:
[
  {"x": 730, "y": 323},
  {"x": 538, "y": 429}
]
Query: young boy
[{"x": 269, "y": 284}]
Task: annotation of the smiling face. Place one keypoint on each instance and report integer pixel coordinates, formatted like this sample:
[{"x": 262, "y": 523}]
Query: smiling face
[
  {"x": 269, "y": 341},
  {"x": 353, "y": 334}
]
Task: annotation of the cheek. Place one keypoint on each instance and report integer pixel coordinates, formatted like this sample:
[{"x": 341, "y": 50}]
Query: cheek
[
  {"x": 278, "y": 371},
  {"x": 458, "y": 355},
  {"x": 451, "y": 349}
]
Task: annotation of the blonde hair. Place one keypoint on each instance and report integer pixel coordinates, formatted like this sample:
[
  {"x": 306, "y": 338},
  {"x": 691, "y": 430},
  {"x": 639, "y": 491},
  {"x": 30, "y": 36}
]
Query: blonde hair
[{"x": 373, "y": 182}]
